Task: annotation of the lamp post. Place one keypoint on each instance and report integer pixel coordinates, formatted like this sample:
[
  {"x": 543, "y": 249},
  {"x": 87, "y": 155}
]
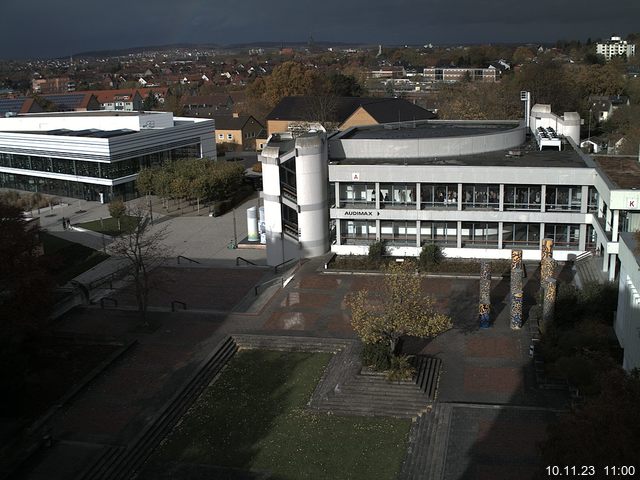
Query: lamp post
[{"x": 589, "y": 136}]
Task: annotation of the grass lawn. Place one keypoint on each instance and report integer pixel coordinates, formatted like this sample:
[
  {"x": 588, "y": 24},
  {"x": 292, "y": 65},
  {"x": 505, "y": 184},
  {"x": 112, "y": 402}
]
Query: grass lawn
[
  {"x": 68, "y": 259},
  {"x": 109, "y": 226},
  {"x": 254, "y": 417}
]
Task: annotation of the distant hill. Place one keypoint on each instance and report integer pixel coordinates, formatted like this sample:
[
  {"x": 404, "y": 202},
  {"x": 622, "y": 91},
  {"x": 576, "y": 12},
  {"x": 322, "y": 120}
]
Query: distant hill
[{"x": 208, "y": 46}]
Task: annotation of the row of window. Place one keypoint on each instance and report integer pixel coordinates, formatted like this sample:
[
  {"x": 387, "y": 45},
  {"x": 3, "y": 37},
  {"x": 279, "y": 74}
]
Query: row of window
[
  {"x": 84, "y": 168},
  {"x": 68, "y": 188},
  {"x": 482, "y": 196},
  {"x": 485, "y": 234}
]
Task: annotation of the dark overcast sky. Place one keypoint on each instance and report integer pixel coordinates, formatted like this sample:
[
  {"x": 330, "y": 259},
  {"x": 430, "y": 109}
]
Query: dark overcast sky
[{"x": 49, "y": 28}]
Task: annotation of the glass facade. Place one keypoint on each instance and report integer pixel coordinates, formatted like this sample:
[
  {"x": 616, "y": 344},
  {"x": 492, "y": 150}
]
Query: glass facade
[
  {"x": 522, "y": 197},
  {"x": 398, "y": 232},
  {"x": 563, "y": 198},
  {"x": 83, "y": 168},
  {"x": 444, "y": 234},
  {"x": 479, "y": 234},
  {"x": 357, "y": 195},
  {"x": 564, "y": 236},
  {"x": 438, "y": 195},
  {"x": 397, "y": 195},
  {"x": 357, "y": 232},
  {"x": 521, "y": 235},
  {"x": 481, "y": 196}
]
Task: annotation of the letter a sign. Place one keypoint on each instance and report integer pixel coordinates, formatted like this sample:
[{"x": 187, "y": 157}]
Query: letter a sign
[{"x": 355, "y": 176}]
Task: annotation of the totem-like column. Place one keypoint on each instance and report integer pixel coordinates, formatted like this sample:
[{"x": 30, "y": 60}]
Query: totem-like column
[
  {"x": 547, "y": 248},
  {"x": 516, "y": 310},
  {"x": 517, "y": 282},
  {"x": 549, "y": 302},
  {"x": 548, "y": 270},
  {"x": 516, "y": 259},
  {"x": 484, "y": 308}
]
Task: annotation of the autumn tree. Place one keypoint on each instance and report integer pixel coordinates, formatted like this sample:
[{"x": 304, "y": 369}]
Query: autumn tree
[
  {"x": 288, "y": 78},
  {"x": 143, "y": 249},
  {"x": 117, "y": 210},
  {"x": 400, "y": 308}
]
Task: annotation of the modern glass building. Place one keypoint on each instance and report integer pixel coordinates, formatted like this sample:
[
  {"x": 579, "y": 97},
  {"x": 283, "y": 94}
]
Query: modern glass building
[{"x": 95, "y": 155}]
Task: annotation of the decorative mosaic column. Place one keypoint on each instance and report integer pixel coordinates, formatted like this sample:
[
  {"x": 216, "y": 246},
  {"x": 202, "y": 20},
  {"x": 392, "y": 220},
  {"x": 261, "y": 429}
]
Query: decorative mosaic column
[
  {"x": 484, "y": 308},
  {"x": 516, "y": 259},
  {"x": 549, "y": 302},
  {"x": 547, "y": 248},
  {"x": 516, "y": 310},
  {"x": 517, "y": 282}
]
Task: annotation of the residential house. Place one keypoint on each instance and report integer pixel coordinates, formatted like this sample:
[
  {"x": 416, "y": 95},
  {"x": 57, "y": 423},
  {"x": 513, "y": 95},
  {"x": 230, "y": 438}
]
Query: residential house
[
  {"x": 208, "y": 105},
  {"x": 342, "y": 112},
  {"x": 237, "y": 131}
]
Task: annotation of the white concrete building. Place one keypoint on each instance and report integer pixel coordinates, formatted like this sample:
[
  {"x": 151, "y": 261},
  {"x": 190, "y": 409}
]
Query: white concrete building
[
  {"x": 95, "y": 155},
  {"x": 615, "y": 47},
  {"x": 476, "y": 188},
  {"x": 627, "y": 322}
]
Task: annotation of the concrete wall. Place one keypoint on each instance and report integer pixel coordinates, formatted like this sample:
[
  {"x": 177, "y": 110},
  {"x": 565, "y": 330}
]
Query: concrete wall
[
  {"x": 311, "y": 179},
  {"x": 627, "y": 322},
  {"x": 427, "y": 147}
]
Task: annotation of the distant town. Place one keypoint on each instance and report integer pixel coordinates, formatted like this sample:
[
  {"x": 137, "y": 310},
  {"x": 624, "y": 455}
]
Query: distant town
[{"x": 322, "y": 261}]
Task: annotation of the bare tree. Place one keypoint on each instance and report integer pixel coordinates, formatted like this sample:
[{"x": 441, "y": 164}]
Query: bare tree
[{"x": 144, "y": 250}]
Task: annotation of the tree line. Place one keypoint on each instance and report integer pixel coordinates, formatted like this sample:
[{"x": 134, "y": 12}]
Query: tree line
[{"x": 191, "y": 180}]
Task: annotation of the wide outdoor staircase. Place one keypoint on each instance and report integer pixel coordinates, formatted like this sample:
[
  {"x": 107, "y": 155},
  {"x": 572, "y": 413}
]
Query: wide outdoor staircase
[
  {"x": 588, "y": 269},
  {"x": 427, "y": 450},
  {"x": 119, "y": 462},
  {"x": 290, "y": 344},
  {"x": 371, "y": 394}
]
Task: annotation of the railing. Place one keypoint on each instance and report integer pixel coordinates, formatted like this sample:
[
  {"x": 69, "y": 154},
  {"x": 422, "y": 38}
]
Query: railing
[
  {"x": 275, "y": 269},
  {"x": 110, "y": 278},
  {"x": 268, "y": 283},
  {"x": 187, "y": 258},
  {"x": 583, "y": 256},
  {"x": 248, "y": 262}
]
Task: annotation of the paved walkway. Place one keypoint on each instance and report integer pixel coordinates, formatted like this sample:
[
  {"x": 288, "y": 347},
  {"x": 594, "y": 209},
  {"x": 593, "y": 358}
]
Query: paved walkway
[{"x": 481, "y": 368}]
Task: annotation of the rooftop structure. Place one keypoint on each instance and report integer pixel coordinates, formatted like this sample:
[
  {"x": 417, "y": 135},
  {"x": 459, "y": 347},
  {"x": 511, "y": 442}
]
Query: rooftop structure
[{"x": 95, "y": 155}]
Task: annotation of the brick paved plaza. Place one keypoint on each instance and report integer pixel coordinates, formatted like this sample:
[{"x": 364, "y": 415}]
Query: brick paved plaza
[{"x": 488, "y": 367}]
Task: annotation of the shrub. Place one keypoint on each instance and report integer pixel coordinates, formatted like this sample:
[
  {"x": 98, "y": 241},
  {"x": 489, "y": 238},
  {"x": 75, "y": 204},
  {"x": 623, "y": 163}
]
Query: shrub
[
  {"x": 400, "y": 369},
  {"x": 376, "y": 356},
  {"x": 430, "y": 256},
  {"x": 377, "y": 250}
]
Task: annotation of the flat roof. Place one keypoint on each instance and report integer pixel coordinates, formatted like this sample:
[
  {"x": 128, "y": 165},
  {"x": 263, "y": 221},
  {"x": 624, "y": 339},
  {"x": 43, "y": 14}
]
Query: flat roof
[
  {"x": 92, "y": 133},
  {"x": 428, "y": 129},
  {"x": 530, "y": 156},
  {"x": 624, "y": 172},
  {"x": 90, "y": 113}
]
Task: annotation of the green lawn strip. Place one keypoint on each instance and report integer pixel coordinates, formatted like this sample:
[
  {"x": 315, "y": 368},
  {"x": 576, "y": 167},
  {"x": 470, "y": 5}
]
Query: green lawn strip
[
  {"x": 254, "y": 417},
  {"x": 109, "y": 226},
  {"x": 69, "y": 259}
]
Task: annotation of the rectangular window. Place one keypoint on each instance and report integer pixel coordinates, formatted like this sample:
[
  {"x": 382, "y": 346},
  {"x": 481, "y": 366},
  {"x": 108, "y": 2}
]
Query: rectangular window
[
  {"x": 398, "y": 232},
  {"x": 357, "y": 232},
  {"x": 444, "y": 234},
  {"x": 592, "y": 205},
  {"x": 481, "y": 196},
  {"x": 522, "y": 197},
  {"x": 357, "y": 195},
  {"x": 221, "y": 136},
  {"x": 521, "y": 235},
  {"x": 229, "y": 136},
  {"x": 438, "y": 195},
  {"x": 563, "y": 236},
  {"x": 479, "y": 234},
  {"x": 397, "y": 195},
  {"x": 563, "y": 198}
]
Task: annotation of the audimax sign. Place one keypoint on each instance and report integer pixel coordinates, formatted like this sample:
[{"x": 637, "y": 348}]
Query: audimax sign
[{"x": 360, "y": 213}]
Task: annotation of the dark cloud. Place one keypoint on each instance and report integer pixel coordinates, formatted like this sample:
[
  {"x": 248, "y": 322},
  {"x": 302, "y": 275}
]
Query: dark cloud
[{"x": 45, "y": 28}]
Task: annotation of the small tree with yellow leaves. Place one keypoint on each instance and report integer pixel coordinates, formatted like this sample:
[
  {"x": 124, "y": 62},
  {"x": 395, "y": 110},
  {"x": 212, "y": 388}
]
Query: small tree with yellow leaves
[{"x": 399, "y": 309}]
